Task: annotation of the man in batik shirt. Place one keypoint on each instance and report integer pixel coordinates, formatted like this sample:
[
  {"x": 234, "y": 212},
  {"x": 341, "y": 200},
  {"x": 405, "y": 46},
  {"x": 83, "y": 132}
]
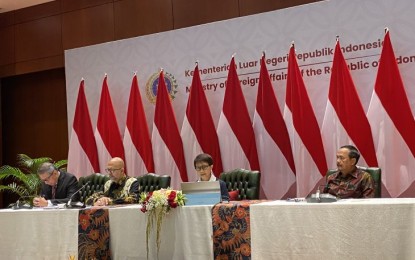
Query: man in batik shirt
[
  {"x": 349, "y": 181},
  {"x": 120, "y": 189}
]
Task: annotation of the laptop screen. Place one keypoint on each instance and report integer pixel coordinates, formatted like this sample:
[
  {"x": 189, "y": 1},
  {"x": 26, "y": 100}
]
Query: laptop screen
[{"x": 201, "y": 193}]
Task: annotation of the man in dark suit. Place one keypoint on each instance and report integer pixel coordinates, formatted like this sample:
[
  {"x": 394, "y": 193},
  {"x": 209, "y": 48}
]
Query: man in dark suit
[
  {"x": 57, "y": 186},
  {"x": 203, "y": 165}
]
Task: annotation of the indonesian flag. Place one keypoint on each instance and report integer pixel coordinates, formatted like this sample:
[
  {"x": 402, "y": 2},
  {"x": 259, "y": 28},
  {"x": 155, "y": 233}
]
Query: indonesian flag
[
  {"x": 107, "y": 133},
  {"x": 167, "y": 144},
  {"x": 393, "y": 124},
  {"x": 82, "y": 155},
  {"x": 198, "y": 130},
  {"x": 137, "y": 143},
  {"x": 310, "y": 161},
  {"x": 345, "y": 121},
  {"x": 273, "y": 142},
  {"x": 235, "y": 132}
]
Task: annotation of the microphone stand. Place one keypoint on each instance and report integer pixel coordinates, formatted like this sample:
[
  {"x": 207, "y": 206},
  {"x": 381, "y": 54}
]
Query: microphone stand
[
  {"x": 77, "y": 204},
  {"x": 21, "y": 205}
]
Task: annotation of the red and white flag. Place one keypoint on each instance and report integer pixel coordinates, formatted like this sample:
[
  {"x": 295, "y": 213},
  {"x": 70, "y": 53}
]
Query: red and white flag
[
  {"x": 82, "y": 155},
  {"x": 198, "y": 130},
  {"x": 393, "y": 124},
  {"x": 137, "y": 142},
  {"x": 306, "y": 142},
  {"x": 235, "y": 132},
  {"x": 345, "y": 120},
  {"x": 273, "y": 142},
  {"x": 167, "y": 143},
  {"x": 107, "y": 133}
]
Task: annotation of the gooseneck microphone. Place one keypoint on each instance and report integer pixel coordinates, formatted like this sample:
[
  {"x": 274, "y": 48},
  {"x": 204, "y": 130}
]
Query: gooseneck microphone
[
  {"x": 21, "y": 205},
  {"x": 321, "y": 195},
  {"x": 69, "y": 204}
]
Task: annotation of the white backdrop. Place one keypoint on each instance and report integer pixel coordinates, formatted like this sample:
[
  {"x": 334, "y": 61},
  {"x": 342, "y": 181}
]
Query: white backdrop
[{"x": 313, "y": 28}]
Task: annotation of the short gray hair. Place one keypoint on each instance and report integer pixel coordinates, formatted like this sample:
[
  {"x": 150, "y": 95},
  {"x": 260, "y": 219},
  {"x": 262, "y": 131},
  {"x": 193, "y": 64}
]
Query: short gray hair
[{"x": 46, "y": 167}]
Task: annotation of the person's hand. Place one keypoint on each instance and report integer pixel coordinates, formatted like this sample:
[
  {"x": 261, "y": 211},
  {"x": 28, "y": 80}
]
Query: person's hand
[
  {"x": 104, "y": 201},
  {"x": 40, "y": 202}
]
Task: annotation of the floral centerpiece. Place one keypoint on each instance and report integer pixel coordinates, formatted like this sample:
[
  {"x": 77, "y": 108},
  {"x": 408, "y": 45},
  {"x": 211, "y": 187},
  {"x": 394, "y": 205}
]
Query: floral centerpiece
[{"x": 156, "y": 205}]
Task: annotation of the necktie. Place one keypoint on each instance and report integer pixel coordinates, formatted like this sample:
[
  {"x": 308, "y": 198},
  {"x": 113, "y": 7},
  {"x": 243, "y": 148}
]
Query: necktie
[{"x": 53, "y": 191}]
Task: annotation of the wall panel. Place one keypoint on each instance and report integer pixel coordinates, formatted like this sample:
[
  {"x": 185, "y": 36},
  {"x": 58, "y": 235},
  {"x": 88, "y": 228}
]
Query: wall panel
[
  {"x": 38, "y": 39},
  {"x": 41, "y": 64},
  {"x": 38, "y": 11},
  {"x": 7, "y": 45},
  {"x": 135, "y": 18},
  {"x": 189, "y": 13},
  {"x": 38, "y": 116},
  {"x": 72, "y": 5},
  {"x": 6, "y": 19},
  {"x": 88, "y": 26}
]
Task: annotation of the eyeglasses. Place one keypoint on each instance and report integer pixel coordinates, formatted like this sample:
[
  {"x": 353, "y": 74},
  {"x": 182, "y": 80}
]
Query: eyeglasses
[
  {"x": 48, "y": 178},
  {"x": 201, "y": 167},
  {"x": 108, "y": 170}
]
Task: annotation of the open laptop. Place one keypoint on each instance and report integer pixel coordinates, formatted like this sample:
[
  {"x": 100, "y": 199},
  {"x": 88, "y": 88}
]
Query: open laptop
[{"x": 201, "y": 193}]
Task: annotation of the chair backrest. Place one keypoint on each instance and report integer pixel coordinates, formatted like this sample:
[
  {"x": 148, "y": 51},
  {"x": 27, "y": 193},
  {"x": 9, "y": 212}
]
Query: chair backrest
[
  {"x": 151, "y": 182},
  {"x": 376, "y": 174},
  {"x": 245, "y": 181},
  {"x": 96, "y": 183}
]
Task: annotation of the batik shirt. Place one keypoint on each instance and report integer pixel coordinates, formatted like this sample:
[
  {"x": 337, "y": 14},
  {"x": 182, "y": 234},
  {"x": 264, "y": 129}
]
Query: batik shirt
[
  {"x": 125, "y": 191},
  {"x": 358, "y": 184}
]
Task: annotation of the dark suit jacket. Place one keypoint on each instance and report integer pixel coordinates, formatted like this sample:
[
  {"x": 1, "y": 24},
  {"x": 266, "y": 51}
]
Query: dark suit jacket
[
  {"x": 67, "y": 186},
  {"x": 224, "y": 190}
]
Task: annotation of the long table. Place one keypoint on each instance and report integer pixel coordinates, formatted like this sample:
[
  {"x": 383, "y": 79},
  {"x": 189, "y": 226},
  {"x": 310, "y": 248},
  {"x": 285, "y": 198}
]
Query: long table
[
  {"x": 348, "y": 229},
  {"x": 38, "y": 234},
  {"x": 186, "y": 234}
]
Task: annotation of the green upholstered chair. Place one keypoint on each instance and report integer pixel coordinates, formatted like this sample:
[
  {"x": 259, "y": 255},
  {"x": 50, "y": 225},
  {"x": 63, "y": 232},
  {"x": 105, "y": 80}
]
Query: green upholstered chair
[
  {"x": 245, "y": 181},
  {"x": 96, "y": 183},
  {"x": 376, "y": 174},
  {"x": 151, "y": 182}
]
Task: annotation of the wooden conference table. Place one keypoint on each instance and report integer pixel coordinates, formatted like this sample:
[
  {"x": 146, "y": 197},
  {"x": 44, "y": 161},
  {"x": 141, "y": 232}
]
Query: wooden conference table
[{"x": 348, "y": 229}]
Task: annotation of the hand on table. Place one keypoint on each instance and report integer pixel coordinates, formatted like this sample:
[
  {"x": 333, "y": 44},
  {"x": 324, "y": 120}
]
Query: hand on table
[
  {"x": 40, "y": 202},
  {"x": 104, "y": 201}
]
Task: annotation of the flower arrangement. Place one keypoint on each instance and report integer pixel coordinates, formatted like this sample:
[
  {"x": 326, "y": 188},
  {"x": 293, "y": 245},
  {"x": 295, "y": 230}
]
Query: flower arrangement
[{"x": 156, "y": 205}]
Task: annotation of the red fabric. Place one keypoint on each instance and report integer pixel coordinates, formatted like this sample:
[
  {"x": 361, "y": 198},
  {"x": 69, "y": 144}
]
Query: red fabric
[
  {"x": 267, "y": 107},
  {"x": 165, "y": 120},
  {"x": 345, "y": 100},
  {"x": 82, "y": 126},
  {"x": 201, "y": 121},
  {"x": 391, "y": 92},
  {"x": 232, "y": 230},
  {"x": 107, "y": 124},
  {"x": 236, "y": 112},
  {"x": 234, "y": 195},
  {"x": 138, "y": 129},
  {"x": 94, "y": 234},
  {"x": 304, "y": 119}
]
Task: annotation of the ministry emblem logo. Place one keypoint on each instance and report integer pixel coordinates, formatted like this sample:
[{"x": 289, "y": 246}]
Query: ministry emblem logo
[{"x": 153, "y": 82}]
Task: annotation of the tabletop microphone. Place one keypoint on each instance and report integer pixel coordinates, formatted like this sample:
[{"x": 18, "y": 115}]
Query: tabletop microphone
[
  {"x": 77, "y": 204},
  {"x": 321, "y": 196},
  {"x": 22, "y": 204}
]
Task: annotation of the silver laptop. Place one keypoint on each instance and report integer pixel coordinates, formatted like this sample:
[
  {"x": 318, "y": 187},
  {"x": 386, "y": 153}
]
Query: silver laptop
[{"x": 201, "y": 193}]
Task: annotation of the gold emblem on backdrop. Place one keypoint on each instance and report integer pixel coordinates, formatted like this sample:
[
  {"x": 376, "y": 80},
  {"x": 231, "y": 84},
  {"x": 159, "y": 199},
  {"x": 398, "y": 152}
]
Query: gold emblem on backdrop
[{"x": 153, "y": 82}]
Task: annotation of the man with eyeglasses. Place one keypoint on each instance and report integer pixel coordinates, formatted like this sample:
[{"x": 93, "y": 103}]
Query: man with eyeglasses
[
  {"x": 57, "y": 186},
  {"x": 120, "y": 189},
  {"x": 203, "y": 165}
]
